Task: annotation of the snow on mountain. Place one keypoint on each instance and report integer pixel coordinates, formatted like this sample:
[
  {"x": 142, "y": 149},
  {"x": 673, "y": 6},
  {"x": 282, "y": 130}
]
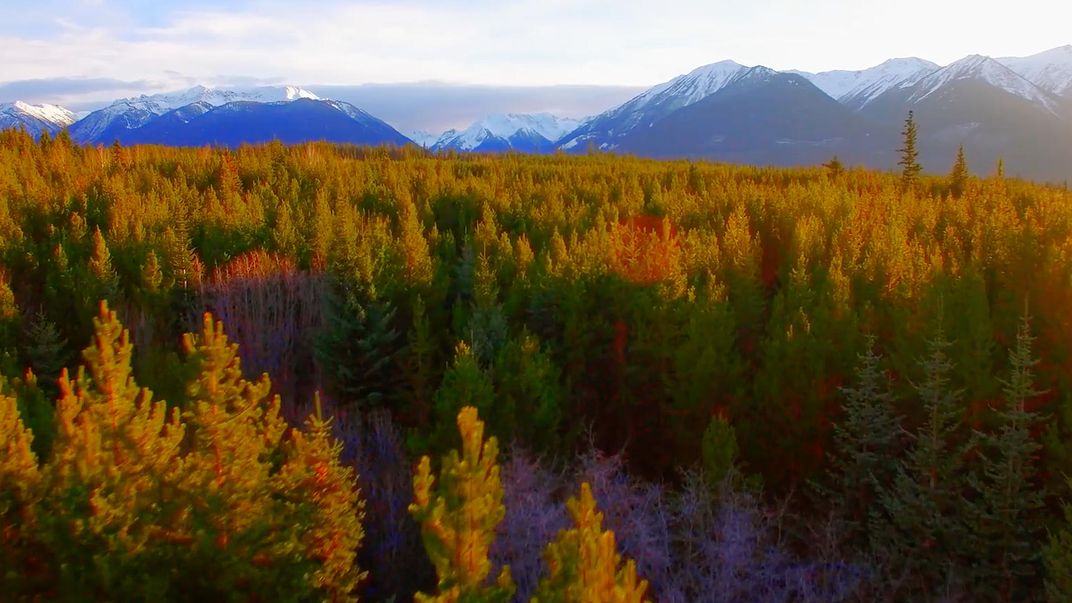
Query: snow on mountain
[
  {"x": 504, "y": 127},
  {"x": 655, "y": 103},
  {"x": 983, "y": 68},
  {"x": 137, "y": 111},
  {"x": 423, "y": 138},
  {"x": 35, "y": 118},
  {"x": 857, "y": 88},
  {"x": 1050, "y": 70}
]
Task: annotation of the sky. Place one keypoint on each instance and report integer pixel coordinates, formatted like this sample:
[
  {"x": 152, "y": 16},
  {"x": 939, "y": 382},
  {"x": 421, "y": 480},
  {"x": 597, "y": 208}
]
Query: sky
[{"x": 85, "y": 52}]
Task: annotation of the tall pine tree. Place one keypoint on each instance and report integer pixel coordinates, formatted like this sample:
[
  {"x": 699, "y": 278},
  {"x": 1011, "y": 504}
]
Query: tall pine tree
[{"x": 910, "y": 168}]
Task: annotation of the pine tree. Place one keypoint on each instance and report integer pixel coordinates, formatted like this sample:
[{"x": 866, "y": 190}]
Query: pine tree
[
  {"x": 834, "y": 167},
  {"x": 1009, "y": 499},
  {"x": 719, "y": 450},
  {"x": 958, "y": 178},
  {"x": 865, "y": 443},
  {"x": 20, "y": 481},
  {"x": 331, "y": 531},
  {"x": 458, "y": 515},
  {"x": 909, "y": 154},
  {"x": 359, "y": 345},
  {"x": 584, "y": 564},
  {"x": 46, "y": 351},
  {"x": 113, "y": 449},
  {"x": 921, "y": 522},
  {"x": 100, "y": 266},
  {"x": 464, "y": 384}
]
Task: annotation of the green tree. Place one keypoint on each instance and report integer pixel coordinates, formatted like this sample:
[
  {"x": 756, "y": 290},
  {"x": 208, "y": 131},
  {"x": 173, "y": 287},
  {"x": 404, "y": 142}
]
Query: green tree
[
  {"x": 910, "y": 168},
  {"x": 958, "y": 178},
  {"x": 866, "y": 443},
  {"x": 718, "y": 450}
]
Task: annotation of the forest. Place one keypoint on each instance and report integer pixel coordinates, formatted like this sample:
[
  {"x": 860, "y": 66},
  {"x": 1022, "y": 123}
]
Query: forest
[{"x": 321, "y": 372}]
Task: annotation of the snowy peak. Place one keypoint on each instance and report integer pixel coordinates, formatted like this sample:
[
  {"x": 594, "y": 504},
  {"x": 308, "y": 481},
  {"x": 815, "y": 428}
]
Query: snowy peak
[
  {"x": 161, "y": 103},
  {"x": 985, "y": 69},
  {"x": 35, "y": 119},
  {"x": 857, "y": 88},
  {"x": 694, "y": 86},
  {"x": 1050, "y": 70},
  {"x": 506, "y": 127},
  {"x": 51, "y": 114}
]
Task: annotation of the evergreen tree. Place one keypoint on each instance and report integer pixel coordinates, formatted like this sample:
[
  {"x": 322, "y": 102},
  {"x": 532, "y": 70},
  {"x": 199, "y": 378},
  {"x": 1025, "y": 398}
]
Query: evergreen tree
[
  {"x": 100, "y": 266},
  {"x": 958, "y": 178},
  {"x": 910, "y": 168},
  {"x": 921, "y": 523},
  {"x": 458, "y": 514},
  {"x": 865, "y": 442},
  {"x": 834, "y": 167},
  {"x": 529, "y": 402},
  {"x": 359, "y": 345},
  {"x": 331, "y": 533},
  {"x": 719, "y": 450},
  {"x": 464, "y": 384},
  {"x": 20, "y": 480},
  {"x": 1009, "y": 499},
  {"x": 584, "y": 564}
]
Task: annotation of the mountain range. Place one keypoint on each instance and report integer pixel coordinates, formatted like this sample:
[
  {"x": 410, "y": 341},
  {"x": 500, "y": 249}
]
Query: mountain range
[{"x": 1018, "y": 109}]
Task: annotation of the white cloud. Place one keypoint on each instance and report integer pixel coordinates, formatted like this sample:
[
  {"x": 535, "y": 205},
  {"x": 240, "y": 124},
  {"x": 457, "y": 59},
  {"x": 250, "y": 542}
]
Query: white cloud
[{"x": 528, "y": 42}]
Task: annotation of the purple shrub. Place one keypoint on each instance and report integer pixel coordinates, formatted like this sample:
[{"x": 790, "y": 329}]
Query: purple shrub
[
  {"x": 392, "y": 551},
  {"x": 534, "y": 515}
]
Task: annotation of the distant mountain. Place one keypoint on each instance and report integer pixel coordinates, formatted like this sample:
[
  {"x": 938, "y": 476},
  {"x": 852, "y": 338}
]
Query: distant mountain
[
  {"x": 241, "y": 122},
  {"x": 761, "y": 116},
  {"x": 605, "y": 131},
  {"x": 991, "y": 110},
  {"x": 1050, "y": 70},
  {"x": 109, "y": 123},
  {"x": 526, "y": 133},
  {"x": 857, "y": 88},
  {"x": 35, "y": 119},
  {"x": 422, "y": 138}
]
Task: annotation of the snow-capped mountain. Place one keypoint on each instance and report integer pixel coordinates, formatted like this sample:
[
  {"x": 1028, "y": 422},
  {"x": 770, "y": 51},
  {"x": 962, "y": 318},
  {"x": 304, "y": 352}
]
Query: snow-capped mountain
[
  {"x": 132, "y": 113},
  {"x": 249, "y": 122},
  {"x": 35, "y": 119},
  {"x": 1050, "y": 70},
  {"x": 652, "y": 105},
  {"x": 857, "y": 88},
  {"x": 984, "y": 69},
  {"x": 423, "y": 138},
  {"x": 527, "y": 132}
]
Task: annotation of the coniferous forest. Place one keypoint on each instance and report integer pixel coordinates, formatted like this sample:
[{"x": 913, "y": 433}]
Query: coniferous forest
[{"x": 317, "y": 372}]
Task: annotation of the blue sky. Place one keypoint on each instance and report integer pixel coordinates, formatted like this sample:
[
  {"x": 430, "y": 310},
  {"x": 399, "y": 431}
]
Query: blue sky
[{"x": 147, "y": 45}]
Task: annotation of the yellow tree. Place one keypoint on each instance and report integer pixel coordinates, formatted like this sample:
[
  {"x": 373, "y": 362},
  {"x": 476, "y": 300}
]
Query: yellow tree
[
  {"x": 331, "y": 532},
  {"x": 113, "y": 447},
  {"x": 584, "y": 564},
  {"x": 19, "y": 482},
  {"x": 458, "y": 517}
]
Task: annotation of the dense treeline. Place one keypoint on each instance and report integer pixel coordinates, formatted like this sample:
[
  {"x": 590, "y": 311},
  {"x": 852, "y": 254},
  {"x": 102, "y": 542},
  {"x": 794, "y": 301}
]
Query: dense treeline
[{"x": 892, "y": 358}]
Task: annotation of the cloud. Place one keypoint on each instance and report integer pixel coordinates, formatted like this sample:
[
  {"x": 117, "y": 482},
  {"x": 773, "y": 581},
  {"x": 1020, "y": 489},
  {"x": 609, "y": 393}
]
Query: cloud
[{"x": 436, "y": 106}]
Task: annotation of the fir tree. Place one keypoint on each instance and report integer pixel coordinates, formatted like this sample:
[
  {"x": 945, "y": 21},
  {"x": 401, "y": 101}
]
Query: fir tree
[
  {"x": 719, "y": 450},
  {"x": 464, "y": 384},
  {"x": 584, "y": 564},
  {"x": 865, "y": 443},
  {"x": 458, "y": 514},
  {"x": 958, "y": 178},
  {"x": 359, "y": 345},
  {"x": 46, "y": 352},
  {"x": 910, "y": 168},
  {"x": 921, "y": 522},
  {"x": 331, "y": 532},
  {"x": 1009, "y": 498},
  {"x": 100, "y": 266}
]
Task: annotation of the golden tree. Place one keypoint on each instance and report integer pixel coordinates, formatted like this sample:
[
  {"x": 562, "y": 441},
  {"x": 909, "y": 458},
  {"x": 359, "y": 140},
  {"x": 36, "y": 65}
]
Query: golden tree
[
  {"x": 458, "y": 517},
  {"x": 584, "y": 564},
  {"x": 331, "y": 533}
]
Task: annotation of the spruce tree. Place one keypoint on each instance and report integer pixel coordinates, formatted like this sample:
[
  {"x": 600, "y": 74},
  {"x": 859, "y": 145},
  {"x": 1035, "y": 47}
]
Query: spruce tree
[
  {"x": 958, "y": 178},
  {"x": 1009, "y": 499},
  {"x": 584, "y": 564},
  {"x": 910, "y": 168},
  {"x": 921, "y": 520},
  {"x": 458, "y": 514},
  {"x": 866, "y": 443},
  {"x": 718, "y": 450}
]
